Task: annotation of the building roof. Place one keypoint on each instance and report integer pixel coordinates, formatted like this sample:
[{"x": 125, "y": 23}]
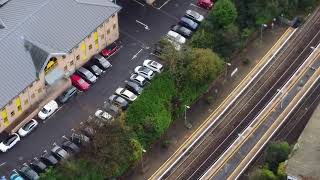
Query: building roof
[
  {"x": 34, "y": 29},
  {"x": 304, "y": 160}
]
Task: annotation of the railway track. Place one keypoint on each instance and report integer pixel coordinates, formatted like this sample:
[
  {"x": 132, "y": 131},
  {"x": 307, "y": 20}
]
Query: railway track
[{"x": 253, "y": 101}]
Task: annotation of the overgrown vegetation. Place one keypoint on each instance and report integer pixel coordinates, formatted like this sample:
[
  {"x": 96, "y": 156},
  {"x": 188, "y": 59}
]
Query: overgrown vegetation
[{"x": 274, "y": 157}]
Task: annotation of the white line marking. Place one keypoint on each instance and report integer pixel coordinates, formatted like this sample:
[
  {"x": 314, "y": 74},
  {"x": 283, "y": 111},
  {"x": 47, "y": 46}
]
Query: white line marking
[
  {"x": 191, "y": 4},
  {"x": 138, "y": 2},
  {"x": 163, "y": 4},
  {"x": 146, "y": 27},
  {"x": 2, "y": 164},
  {"x": 136, "y": 55}
]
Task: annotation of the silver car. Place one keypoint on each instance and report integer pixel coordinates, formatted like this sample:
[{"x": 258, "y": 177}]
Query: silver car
[
  {"x": 144, "y": 72},
  {"x": 87, "y": 75}
]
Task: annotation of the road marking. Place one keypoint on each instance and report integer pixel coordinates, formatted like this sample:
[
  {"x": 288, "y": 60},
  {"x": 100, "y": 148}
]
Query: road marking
[
  {"x": 138, "y": 2},
  {"x": 136, "y": 55},
  {"x": 2, "y": 164},
  {"x": 163, "y": 4},
  {"x": 191, "y": 4},
  {"x": 146, "y": 27}
]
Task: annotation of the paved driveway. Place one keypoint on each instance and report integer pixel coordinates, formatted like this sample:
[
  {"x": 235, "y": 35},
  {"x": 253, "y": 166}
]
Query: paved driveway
[{"x": 137, "y": 43}]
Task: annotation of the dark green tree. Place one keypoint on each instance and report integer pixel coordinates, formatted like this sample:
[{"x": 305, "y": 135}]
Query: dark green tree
[{"x": 276, "y": 153}]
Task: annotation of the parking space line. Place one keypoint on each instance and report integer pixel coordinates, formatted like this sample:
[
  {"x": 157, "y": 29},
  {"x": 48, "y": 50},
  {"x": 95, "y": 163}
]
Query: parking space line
[
  {"x": 136, "y": 55},
  {"x": 138, "y": 2},
  {"x": 2, "y": 164},
  {"x": 163, "y": 4}
]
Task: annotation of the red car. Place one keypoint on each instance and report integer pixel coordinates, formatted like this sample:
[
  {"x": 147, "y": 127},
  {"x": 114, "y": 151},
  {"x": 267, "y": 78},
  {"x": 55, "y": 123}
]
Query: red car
[
  {"x": 207, "y": 4},
  {"x": 110, "y": 50},
  {"x": 78, "y": 82}
]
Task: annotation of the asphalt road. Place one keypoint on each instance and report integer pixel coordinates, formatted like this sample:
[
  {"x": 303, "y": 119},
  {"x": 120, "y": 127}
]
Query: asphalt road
[{"x": 137, "y": 44}]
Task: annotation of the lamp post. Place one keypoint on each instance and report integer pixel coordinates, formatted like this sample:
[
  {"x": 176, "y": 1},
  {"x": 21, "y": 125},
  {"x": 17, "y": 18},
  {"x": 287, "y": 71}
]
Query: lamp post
[
  {"x": 142, "y": 165},
  {"x": 186, "y": 123},
  {"x": 226, "y": 66},
  {"x": 261, "y": 30}
]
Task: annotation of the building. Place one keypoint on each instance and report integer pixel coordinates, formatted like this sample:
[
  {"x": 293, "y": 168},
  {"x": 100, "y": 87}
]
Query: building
[
  {"x": 42, "y": 43},
  {"x": 304, "y": 160}
]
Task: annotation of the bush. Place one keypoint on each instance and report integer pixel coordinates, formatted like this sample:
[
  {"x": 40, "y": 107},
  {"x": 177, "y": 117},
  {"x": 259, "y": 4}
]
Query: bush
[
  {"x": 276, "y": 153},
  {"x": 150, "y": 115}
]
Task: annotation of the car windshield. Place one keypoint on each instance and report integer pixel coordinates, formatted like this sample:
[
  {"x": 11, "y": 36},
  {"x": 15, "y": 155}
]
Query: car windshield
[
  {"x": 44, "y": 110},
  {"x": 9, "y": 139},
  {"x": 194, "y": 14},
  {"x": 146, "y": 70},
  {"x": 88, "y": 74},
  {"x": 153, "y": 63},
  {"x": 27, "y": 126}
]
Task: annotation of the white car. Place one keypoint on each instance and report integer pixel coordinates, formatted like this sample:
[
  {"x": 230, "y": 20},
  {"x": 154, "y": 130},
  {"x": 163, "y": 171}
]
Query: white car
[
  {"x": 144, "y": 72},
  {"x": 125, "y": 93},
  {"x": 174, "y": 36},
  {"x": 48, "y": 110},
  {"x": 9, "y": 142},
  {"x": 138, "y": 79},
  {"x": 175, "y": 44},
  {"x": 102, "y": 114},
  {"x": 194, "y": 15},
  {"x": 28, "y": 128},
  {"x": 153, "y": 65}
]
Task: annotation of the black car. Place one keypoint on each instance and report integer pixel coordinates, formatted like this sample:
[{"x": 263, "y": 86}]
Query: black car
[
  {"x": 38, "y": 166},
  {"x": 185, "y": 32},
  {"x": 101, "y": 62},
  {"x": 68, "y": 94},
  {"x": 28, "y": 173},
  {"x": 49, "y": 159},
  {"x": 133, "y": 87},
  {"x": 70, "y": 146},
  {"x": 188, "y": 23},
  {"x": 80, "y": 139}
]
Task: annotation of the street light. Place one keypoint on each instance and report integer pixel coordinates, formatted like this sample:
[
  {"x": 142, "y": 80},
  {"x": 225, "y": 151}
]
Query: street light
[
  {"x": 142, "y": 166},
  {"x": 261, "y": 29},
  {"x": 186, "y": 123},
  {"x": 226, "y": 68}
]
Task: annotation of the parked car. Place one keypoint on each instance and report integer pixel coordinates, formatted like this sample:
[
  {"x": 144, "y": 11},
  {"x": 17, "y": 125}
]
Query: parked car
[
  {"x": 133, "y": 87},
  {"x": 48, "y": 159},
  {"x": 119, "y": 101},
  {"x": 86, "y": 75},
  {"x": 206, "y": 4},
  {"x": 95, "y": 70},
  {"x": 144, "y": 72},
  {"x": 103, "y": 115},
  {"x": 28, "y": 173},
  {"x": 153, "y": 65},
  {"x": 70, "y": 146},
  {"x": 9, "y": 142},
  {"x": 38, "y": 166},
  {"x": 185, "y": 32},
  {"x": 110, "y": 50},
  {"x": 188, "y": 23},
  {"x": 194, "y": 16},
  {"x": 138, "y": 79},
  {"x": 174, "y": 36},
  {"x": 78, "y": 82},
  {"x": 28, "y": 128},
  {"x": 59, "y": 153},
  {"x": 48, "y": 110},
  {"x": 80, "y": 139},
  {"x": 102, "y": 62},
  {"x": 125, "y": 93},
  {"x": 16, "y": 176},
  {"x": 68, "y": 94}
]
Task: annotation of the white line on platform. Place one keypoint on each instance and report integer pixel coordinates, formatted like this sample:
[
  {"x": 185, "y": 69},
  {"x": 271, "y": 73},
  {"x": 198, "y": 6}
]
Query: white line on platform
[{"x": 163, "y": 4}]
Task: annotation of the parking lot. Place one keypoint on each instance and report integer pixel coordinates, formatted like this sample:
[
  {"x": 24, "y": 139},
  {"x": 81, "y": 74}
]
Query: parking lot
[{"x": 140, "y": 27}]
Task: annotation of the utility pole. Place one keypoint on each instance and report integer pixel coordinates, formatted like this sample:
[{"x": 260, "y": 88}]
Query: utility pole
[
  {"x": 261, "y": 30},
  {"x": 186, "y": 123}
]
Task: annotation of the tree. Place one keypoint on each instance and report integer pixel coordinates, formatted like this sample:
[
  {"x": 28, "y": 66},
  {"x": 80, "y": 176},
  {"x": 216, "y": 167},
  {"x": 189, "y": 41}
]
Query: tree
[
  {"x": 262, "y": 174},
  {"x": 204, "y": 65},
  {"x": 202, "y": 39},
  {"x": 281, "y": 172},
  {"x": 276, "y": 152},
  {"x": 223, "y": 14}
]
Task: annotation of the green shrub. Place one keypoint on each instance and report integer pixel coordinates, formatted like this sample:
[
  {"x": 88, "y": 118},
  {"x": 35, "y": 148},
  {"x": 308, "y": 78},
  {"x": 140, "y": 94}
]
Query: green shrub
[{"x": 150, "y": 115}]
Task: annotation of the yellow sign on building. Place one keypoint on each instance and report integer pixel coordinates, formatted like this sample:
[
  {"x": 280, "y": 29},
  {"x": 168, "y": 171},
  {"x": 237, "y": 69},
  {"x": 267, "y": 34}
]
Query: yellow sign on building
[{"x": 4, "y": 116}]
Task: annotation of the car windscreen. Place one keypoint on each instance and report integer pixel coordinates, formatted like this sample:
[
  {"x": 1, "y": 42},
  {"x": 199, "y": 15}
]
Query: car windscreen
[
  {"x": 9, "y": 140},
  {"x": 44, "y": 110},
  {"x": 27, "y": 126},
  {"x": 81, "y": 81}
]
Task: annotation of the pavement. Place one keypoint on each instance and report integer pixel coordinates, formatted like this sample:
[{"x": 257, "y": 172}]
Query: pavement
[{"x": 140, "y": 27}]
